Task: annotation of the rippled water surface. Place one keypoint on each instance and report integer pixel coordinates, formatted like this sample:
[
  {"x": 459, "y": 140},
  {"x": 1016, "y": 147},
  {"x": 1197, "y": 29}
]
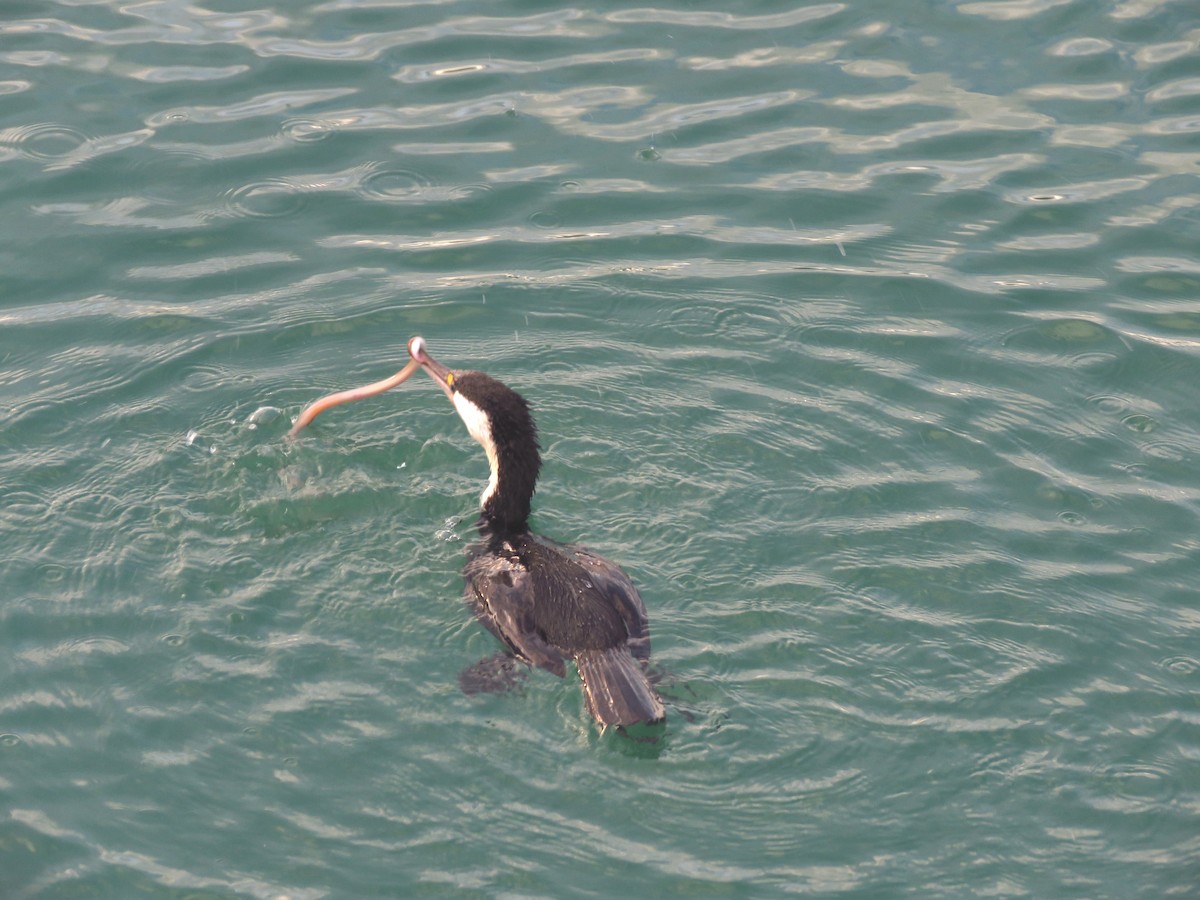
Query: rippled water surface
[{"x": 866, "y": 336}]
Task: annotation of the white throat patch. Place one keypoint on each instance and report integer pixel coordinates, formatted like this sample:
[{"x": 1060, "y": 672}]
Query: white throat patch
[{"x": 479, "y": 427}]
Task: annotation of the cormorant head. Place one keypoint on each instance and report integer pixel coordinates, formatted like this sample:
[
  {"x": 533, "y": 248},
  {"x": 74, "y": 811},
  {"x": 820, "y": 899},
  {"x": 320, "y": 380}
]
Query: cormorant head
[{"x": 499, "y": 419}]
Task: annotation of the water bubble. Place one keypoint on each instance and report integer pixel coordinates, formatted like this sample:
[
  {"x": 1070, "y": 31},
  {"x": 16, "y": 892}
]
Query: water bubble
[
  {"x": 275, "y": 199},
  {"x": 1110, "y": 405},
  {"x": 1181, "y": 665},
  {"x": 307, "y": 130},
  {"x": 395, "y": 184},
  {"x": 262, "y": 415},
  {"x": 1142, "y": 424},
  {"x": 194, "y": 440},
  {"x": 46, "y": 142}
]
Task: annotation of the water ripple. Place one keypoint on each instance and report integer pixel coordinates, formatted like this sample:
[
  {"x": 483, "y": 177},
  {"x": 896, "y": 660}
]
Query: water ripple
[
  {"x": 267, "y": 200},
  {"x": 44, "y": 142},
  {"x": 416, "y": 74},
  {"x": 170, "y": 74},
  {"x": 568, "y": 23},
  {"x": 699, "y": 19},
  {"x": 264, "y": 105},
  {"x": 865, "y": 340}
]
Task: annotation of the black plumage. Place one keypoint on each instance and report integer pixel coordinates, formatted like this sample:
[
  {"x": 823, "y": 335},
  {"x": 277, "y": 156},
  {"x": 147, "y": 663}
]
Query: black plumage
[{"x": 548, "y": 603}]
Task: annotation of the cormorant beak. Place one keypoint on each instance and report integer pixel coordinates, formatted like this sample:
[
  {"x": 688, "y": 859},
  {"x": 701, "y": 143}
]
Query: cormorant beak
[
  {"x": 439, "y": 373},
  {"x": 416, "y": 349}
]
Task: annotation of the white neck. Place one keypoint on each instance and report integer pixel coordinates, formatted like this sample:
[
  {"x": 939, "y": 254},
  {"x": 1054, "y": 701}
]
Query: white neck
[{"x": 480, "y": 428}]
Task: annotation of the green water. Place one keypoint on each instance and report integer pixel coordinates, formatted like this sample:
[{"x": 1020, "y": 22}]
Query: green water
[{"x": 865, "y": 336}]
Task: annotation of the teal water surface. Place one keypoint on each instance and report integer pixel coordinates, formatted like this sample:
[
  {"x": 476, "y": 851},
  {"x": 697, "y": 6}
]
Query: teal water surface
[{"x": 865, "y": 336}]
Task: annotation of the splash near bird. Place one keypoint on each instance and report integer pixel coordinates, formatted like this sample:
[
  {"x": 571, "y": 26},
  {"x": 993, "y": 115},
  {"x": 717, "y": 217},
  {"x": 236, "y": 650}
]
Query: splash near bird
[{"x": 546, "y": 602}]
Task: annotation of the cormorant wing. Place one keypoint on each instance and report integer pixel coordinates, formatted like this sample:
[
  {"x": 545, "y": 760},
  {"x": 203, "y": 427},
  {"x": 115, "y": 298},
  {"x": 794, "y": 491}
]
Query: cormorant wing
[
  {"x": 612, "y": 583},
  {"x": 500, "y": 592}
]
